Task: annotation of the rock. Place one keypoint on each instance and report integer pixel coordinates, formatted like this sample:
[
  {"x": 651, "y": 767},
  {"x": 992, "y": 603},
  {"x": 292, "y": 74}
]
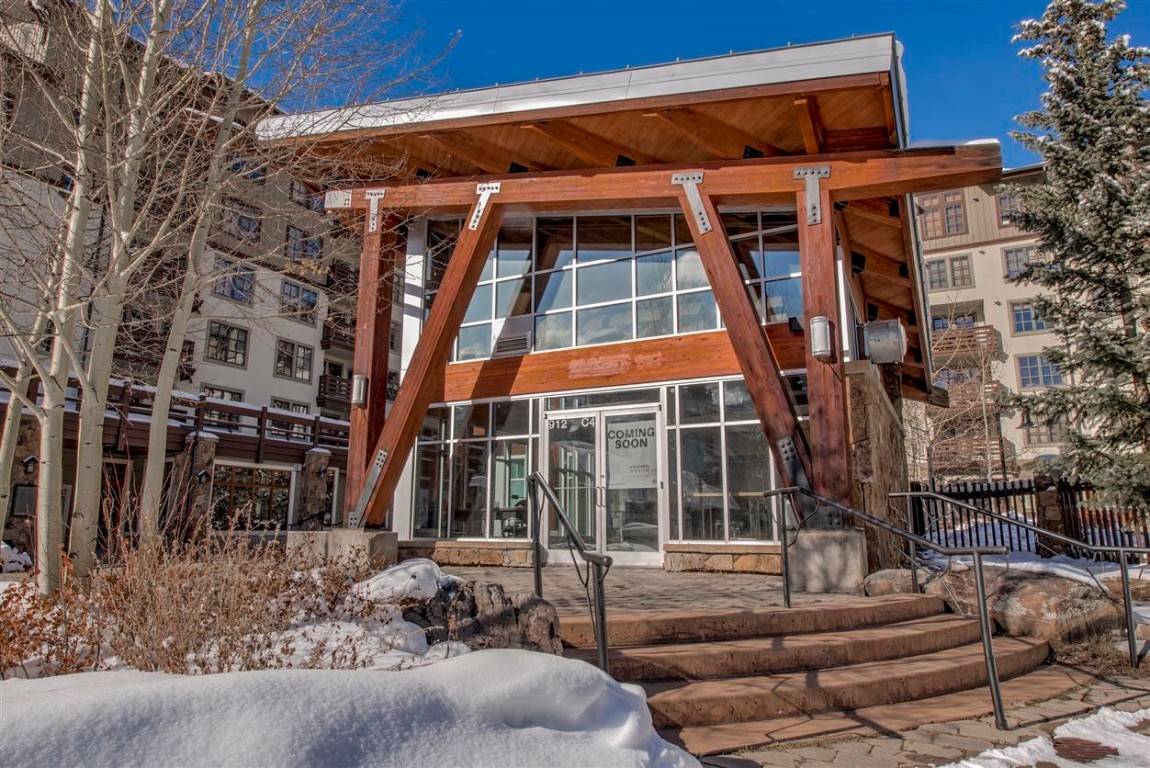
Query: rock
[
  {"x": 483, "y": 615},
  {"x": 1050, "y": 607},
  {"x": 956, "y": 589},
  {"x": 890, "y": 581}
]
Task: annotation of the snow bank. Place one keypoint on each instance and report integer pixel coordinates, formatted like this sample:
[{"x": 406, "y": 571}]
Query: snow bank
[
  {"x": 487, "y": 708},
  {"x": 1107, "y": 726},
  {"x": 416, "y": 579}
]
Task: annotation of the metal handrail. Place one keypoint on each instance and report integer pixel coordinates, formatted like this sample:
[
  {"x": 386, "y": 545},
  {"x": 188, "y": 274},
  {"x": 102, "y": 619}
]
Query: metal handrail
[
  {"x": 602, "y": 563},
  {"x": 1128, "y": 603},
  {"x": 917, "y": 541}
]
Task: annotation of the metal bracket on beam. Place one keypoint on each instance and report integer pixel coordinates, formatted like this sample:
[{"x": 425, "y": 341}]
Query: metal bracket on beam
[
  {"x": 373, "y": 196},
  {"x": 690, "y": 182},
  {"x": 810, "y": 177},
  {"x": 485, "y": 191},
  {"x": 355, "y": 519},
  {"x": 337, "y": 198}
]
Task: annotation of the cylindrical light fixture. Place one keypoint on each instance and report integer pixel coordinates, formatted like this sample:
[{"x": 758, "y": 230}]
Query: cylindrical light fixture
[
  {"x": 359, "y": 390},
  {"x": 819, "y": 330}
]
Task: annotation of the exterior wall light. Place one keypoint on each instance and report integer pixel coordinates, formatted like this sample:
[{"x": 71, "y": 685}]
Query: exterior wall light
[
  {"x": 359, "y": 390},
  {"x": 820, "y": 336}
]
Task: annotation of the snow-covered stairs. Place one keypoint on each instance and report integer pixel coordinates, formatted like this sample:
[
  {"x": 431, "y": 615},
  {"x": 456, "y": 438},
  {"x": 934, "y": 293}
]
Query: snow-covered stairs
[{"x": 723, "y": 680}]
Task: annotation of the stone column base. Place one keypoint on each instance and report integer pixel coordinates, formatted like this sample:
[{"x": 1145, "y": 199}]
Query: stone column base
[{"x": 828, "y": 561}]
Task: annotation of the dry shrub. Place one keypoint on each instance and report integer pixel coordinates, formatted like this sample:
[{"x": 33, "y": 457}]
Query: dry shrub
[{"x": 53, "y": 635}]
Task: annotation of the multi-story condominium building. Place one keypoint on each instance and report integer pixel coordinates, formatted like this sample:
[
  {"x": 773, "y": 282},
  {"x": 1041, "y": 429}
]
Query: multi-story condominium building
[{"x": 988, "y": 337}]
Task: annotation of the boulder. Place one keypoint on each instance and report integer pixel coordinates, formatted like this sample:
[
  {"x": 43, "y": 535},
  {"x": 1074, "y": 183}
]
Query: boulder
[
  {"x": 956, "y": 588},
  {"x": 483, "y": 615},
  {"x": 890, "y": 581},
  {"x": 1052, "y": 608}
]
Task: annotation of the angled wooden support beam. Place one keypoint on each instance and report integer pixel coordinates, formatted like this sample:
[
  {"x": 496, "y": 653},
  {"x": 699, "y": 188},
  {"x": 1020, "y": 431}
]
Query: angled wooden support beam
[
  {"x": 429, "y": 359},
  {"x": 756, "y": 358},
  {"x": 587, "y": 146},
  {"x": 482, "y": 154},
  {"x": 372, "y": 330},
  {"x": 810, "y": 124},
  {"x": 713, "y": 136},
  {"x": 826, "y": 382}
]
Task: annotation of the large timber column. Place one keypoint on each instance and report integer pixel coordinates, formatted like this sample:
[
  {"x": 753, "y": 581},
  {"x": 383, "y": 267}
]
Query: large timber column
[
  {"x": 826, "y": 383},
  {"x": 372, "y": 329}
]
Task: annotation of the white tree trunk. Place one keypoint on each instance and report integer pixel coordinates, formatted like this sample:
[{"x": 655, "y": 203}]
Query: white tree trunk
[
  {"x": 49, "y": 492},
  {"x": 9, "y": 436}
]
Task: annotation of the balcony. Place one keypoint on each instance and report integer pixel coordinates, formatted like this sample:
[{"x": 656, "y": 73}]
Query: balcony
[
  {"x": 334, "y": 392},
  {"x": 970, "y": 393},
  {"x": 981, "y": 343},
  {"x": 338, "y": 336}
]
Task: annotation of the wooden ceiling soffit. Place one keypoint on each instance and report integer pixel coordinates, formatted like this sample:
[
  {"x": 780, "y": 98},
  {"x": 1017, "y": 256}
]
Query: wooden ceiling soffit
[
  {"x": 852, "y": 139},
  {"x": 888, "y": 311},
  {"x": 870, "y": 262},
  {"x": 854, "y": 176},
  {"x": 712, "y": 136},
  {"x": 488, "y": 157},
  {"x": 588, "y": 147},
  {"x": 877, "y": 212},
  {"x": 810, "y": 124},
  {"x": 410, "y": 163}
]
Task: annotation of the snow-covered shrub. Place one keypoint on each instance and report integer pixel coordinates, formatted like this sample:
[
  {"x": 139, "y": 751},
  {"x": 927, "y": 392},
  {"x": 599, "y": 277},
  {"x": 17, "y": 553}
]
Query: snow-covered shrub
[{"x": 13, "y": 560}]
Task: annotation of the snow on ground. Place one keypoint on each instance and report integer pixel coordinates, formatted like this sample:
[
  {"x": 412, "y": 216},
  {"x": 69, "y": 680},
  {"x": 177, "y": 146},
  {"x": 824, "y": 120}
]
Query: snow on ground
[
  {"x": 415, "y": 579},
  {"x": 1107, "y": 726},
  {"x": 13, "y": 560},
  {"x": 1076, "y": 569},
  {"x": 486, "y": 708}
]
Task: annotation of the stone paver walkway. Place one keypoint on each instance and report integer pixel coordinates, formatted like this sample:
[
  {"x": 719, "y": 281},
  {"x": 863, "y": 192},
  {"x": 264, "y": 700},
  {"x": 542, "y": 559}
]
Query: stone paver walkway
[
  {"x": 649, "y": 589},
  {"x": 942, "y": 743}
]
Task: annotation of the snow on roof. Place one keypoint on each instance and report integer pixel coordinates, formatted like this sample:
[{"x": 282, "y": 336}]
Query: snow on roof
[{"x": 879, "y": 53}]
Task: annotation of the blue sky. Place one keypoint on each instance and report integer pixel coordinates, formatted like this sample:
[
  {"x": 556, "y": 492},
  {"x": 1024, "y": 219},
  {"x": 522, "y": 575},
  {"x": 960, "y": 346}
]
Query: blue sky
[{"x": 965, "y": 80}]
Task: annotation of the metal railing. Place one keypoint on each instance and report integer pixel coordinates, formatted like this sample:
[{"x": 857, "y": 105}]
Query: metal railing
[
  {"x": 596, "y": 600},
  {"x": 976, "y": 553},
  {"x": 1043, "y": 533}
]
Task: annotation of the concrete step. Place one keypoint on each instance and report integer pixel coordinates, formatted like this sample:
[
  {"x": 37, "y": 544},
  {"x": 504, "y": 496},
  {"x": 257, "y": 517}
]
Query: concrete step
[
  {"x": 1046, "y": 682},
  {"x": 809, "y": 692},
  {"x": 650, "y": 628},
  {"x": 769, "y": 655}
]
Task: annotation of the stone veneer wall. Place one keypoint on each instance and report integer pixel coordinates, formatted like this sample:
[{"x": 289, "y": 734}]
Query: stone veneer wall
[
  {"x": 878, "y": 453},
  {"x": 491, "y": 553},
  {"x": 723, "y": 558}
]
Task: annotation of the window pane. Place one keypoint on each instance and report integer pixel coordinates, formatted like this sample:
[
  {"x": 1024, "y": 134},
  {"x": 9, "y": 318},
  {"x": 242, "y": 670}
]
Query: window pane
[
  {"x": 441, "y": 237},
  {"x": 603, "y": 237},
  {"x": 784, "y": 299},
  {"x": 653, "y": 273},
  {"x": 740, "y": 223},
  {"x": 702, "y": 483},
  {"x": 603, "y": 324},
  {"x": 474, "y": 341},
  {"x": 509, "y": 489},
  {"x": 673, "y": 480},
  {"x": 689, "y": 270},
  {"x": 512, "y": 418},
  {"x": 936, "y": 274},
  {"x": 427, "y": 515},
  {"x": 513, "y": 297},
  {"x": 748, "y": 257},
  {"x": 553, "y": 331},
  {"x": 748, "y": 476},
  {"x": 737, "y": 403},
  {"x": 553, "y": 290},
  {"x": 781, "y": 254},
  {"x": 471, "y": 421},
  {"x": 480, "y": 306},
  {"x": 960, "y": 272},
  {"x": 699, "y": 403},
  {"x": 434, "y": 425},
  {"x": 604, "y": 282},
  {"x": 556, "y": 238},
  {"x": 652, "y": 233},
  {"x": 697, "y": 312},
  {"x": 654, "y": 317},
  {"x": 682, "y": 231},
  {"x": 514, "y": 251},
  {"x": 469, "y": 489}
]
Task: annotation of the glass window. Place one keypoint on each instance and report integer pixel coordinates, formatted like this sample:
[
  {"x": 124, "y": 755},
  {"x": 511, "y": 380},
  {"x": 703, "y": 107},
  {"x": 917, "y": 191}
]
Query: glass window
[
  {"x": 682, "y": 231},
  {"x": 293, "y": 360},
  {"x": 701, "y": 480},
  {"x": 652, "y": 233},
  {"x": 512, "y": 418},
  {"x": 604, "y": 282},
  {"x": 654, "y": 317},
  {"x": 689, "y": 271},
  {"x": 300, "y": 245},
  {"x": 514, "y": 249},
  {"x": 298, "y": 302},
  {"x": 480, "y": 306},
  {"x": 241, "y": 220},
  {"x": 553, "y": 290},
  {"x": 1008, "y": 208},
  {"x": 748, "y": 476},
  {"x": 259, "y": 496},
  {"x": 697, "y": 312},
  {"x": 960, "y": 274},
  {"x": 599, "y": 325},
  {"x": 781, "y": 252},
  {"x": 470, "y": 421},
  {"x": 434, "y": 425},
  {"x": 441, "y": 237},
  {"x": 226, "y": 344},
  {"x": 784, "y": 299},
  {"x": 1037, "y": 371},
  {"x": 936, "y": 274},
  {"x": 474, "y": 341},
  {"x": 556, "y": 242},
  {"x": 737, "y": 403},
  {"x": 603, "y": 237},
  {"x": 553, "y": 331},
  {"x": 699, "y": 403},
  {"x": 431, "y": 486},
  {"x": 469, "y": 489},
  {"x": 236, "y": 281},
  {"x": 509, "y": 489},
  {"x": 653, "y": 273},
  {"x": 513, "y": 297},
  {"x": 1017, "y": 260},
  {"x": 1025, "y": 317},
  {"x": 673, "y": 477}
]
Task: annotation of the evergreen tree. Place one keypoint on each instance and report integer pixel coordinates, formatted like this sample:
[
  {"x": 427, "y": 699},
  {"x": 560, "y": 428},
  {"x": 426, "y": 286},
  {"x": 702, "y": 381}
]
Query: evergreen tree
[{"x": 1092, "y": 215}]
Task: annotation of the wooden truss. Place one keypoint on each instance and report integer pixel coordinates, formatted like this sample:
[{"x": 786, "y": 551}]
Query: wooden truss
[{"x": 824, "y": 462}]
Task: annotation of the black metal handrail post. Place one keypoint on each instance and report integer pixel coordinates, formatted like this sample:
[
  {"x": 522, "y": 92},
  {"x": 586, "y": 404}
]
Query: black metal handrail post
[
  {"x": 601, "y": 563},
  {"x": 1122, "y": 552},
  {"x": 783, "y": 547},
  {"x": 975, "y": 552},
  {"x": 536, "y": 538}
]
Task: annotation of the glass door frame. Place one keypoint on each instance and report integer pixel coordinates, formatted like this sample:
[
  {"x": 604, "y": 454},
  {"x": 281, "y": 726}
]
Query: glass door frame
[{"x": 600, "y": 414}]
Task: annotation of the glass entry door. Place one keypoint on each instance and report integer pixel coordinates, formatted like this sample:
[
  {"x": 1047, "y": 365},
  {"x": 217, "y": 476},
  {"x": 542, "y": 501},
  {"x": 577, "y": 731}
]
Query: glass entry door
[{"x": 607, "y": 468}]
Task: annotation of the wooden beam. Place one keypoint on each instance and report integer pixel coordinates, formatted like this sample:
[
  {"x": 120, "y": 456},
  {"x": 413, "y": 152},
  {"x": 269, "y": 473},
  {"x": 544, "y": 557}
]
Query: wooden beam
[
  {"x": 826, "y": 383},
  {"x": 430, "y": 357},
  {"x": 713, "y": 136},
  {"x": 854, "y": 175},
  {"x": 856, "y": 139},
  {"x": 865, "y": 209},
  {"x": 488, "y": 157},
  {"x": 757, "y": 359},
  {"x": 810, "y": 124},
  {"x": 858, "y": 293},
  {"x": 881, "y": 266},
  {"x": 587, "y": 146},
  {"x": 888, "y": 113},
  {"x": 372, "y": 330}
]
